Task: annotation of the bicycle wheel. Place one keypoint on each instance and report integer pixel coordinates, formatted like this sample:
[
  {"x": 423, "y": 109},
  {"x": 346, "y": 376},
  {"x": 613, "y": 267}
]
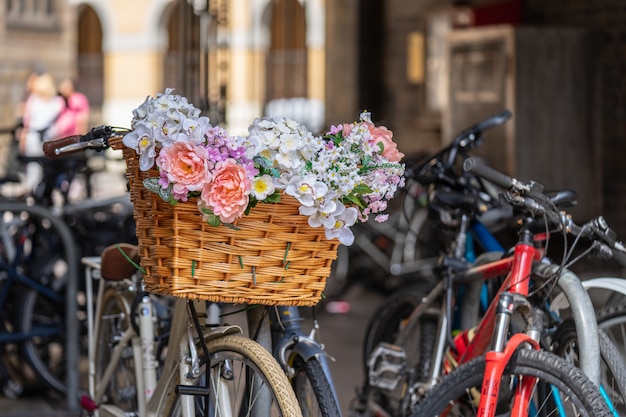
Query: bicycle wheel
[
  {"x": 573, "y": 393},
  {"x": 613, "y": 370},
  {"x": 612, "y": 319},
  {"x": 41, "y": 315},
  {"x": 244, "y": 379},
  {"x": 45, "y": 351},
  {"x": 314, "y": 392},
  {"x": 112, "y": 321}
]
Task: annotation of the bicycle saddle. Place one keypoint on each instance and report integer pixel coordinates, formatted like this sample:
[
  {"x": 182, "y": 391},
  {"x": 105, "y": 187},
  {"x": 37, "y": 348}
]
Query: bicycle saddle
[{"x": 116, "y": 261}]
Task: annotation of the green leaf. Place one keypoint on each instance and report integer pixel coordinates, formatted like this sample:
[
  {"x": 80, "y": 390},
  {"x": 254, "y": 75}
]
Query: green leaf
[
  {"x": 262, "y": 162},
  {"x": 273, "y": 198},
  {"x": 211, "y": 218},
  {"x": 354, "y": 199},
  {"x": 362, "y": 189},
  {"x": 152, "y": 185},
  {"x": 166, "y": 195},
  {"x": 231, "y": 226}
]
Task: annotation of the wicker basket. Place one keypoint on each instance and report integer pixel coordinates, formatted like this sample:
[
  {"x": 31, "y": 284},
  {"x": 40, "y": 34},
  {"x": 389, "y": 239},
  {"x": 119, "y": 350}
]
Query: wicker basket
[{"x": 275, "y": 258}]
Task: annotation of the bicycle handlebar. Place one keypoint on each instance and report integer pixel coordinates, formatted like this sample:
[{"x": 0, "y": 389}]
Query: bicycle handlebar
[
  {"x": 438, "y": 165},
  {"x": 97, "y": 138},
  {"x": 531, "y": 198},
  {"x": 474, "y": 166},
  {"x": 486, "y": 124}
]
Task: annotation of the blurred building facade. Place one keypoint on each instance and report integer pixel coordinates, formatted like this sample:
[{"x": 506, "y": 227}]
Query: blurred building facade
[{"x": 324, "y": 61}]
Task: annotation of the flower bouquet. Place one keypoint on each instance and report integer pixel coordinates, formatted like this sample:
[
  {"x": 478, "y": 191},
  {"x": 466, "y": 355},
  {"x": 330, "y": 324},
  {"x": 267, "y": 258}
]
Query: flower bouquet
[{"x": 258, "y": 216}]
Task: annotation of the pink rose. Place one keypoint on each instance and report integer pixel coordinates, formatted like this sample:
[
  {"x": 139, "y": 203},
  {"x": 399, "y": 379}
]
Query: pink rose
[
  {"x": 227, "y": 195},
  {"x": 186, "y": 166},
  {"x": 380, "y": 134}
]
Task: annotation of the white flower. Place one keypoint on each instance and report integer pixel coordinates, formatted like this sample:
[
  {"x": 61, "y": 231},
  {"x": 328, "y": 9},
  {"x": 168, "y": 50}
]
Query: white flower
[
  {"x": 142, "y": 141},
  {"x": 290, "y": 142},
  {"x": 289, "y": 160},
  {"x": 195, "y": 129},
  {"x": 262, "y": 187},
  {"x": 341, "y": 228},
  {"x": 323, "y": 213},
  {"x": 307, "y": 190}
]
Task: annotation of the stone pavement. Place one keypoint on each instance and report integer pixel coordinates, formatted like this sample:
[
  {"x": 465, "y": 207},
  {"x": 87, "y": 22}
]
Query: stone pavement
[{"x": 341, "y": 333}]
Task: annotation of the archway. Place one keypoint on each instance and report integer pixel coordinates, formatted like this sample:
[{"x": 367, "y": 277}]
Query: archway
[{"x": 90, "y": 71}]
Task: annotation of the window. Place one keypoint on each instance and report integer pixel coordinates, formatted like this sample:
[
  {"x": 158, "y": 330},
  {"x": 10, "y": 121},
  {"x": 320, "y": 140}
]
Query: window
[{"x": 31, "y": 14}]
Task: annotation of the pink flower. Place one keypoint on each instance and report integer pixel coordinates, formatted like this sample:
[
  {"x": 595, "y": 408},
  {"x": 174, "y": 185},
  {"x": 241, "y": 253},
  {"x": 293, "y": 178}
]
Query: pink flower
[
  {"x": 186, "y": 167},
  {"x": 228, "y": 194},
  {"x": 380, "y": 134}
]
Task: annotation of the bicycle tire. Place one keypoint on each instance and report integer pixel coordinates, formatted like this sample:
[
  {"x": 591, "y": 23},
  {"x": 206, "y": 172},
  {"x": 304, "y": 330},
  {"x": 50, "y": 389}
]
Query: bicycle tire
[
  {"x": 43, "y": 261},
  {"x": 450, "y": 395},
  {"x": 111, "y": 321},
  {"x": 45, "y": 353},
  {"x": 612, "y": 319},
  {"x": 613, "y": 370},
  {"x": 314, "y": 392},
  {"x": 245, "y": 356}
]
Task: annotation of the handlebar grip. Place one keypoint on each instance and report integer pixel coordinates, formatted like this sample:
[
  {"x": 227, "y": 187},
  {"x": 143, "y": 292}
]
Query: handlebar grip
[
  {"x": 51, "y": 146},
  {"x": 619, "y": 257},
  {"x": 473, "y": 166},
  {"x": 493, "y": 121}
]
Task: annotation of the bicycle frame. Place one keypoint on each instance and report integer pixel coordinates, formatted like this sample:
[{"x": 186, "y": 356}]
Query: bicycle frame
[{"x": 492, "y": 329}]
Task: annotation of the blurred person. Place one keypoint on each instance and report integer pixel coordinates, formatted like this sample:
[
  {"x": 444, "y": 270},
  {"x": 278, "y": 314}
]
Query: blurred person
[
  {"x": 19, "y": 109},
  {"x": 41, "y": 110},
  {"x": 12, "y": 164},
  {"x": 74, "y": 119}
]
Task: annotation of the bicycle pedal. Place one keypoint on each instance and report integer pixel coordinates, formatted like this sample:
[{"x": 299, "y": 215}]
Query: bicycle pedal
[
  {"x": 386, "y": 366},
  {"x": 12, "y": 389}
]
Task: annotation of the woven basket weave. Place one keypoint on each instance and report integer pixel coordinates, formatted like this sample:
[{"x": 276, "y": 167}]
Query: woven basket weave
[{"x": 275, "y": 258}]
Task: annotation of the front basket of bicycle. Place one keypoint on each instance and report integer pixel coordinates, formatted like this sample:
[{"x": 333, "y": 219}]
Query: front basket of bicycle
[{"x": 272, "y": 257}]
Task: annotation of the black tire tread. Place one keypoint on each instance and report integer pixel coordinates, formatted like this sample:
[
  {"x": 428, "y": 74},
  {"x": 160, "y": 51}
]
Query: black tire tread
[
  {"x": 322, "y": 388},
  {"x": 521, "y": 363}
]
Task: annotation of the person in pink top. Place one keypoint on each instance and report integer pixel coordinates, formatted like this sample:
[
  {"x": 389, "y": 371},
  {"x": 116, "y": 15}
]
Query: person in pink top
[{"x": 74, "y": 119}]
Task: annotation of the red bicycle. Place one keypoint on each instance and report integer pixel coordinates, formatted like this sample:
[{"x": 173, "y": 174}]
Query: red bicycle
[{"x": 501, "y": 371}]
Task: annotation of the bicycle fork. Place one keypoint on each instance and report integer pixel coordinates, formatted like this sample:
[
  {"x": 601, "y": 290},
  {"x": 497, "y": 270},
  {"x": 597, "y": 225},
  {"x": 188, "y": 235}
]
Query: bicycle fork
[{"x": 498, "y": 357}]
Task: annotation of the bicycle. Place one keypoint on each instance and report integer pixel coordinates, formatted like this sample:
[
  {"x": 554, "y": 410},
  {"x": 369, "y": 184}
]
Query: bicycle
[
  {"x": 213, "y": 369},
  {"x": 301, "y": 356},
  {"x": 458, "y": 205}
]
